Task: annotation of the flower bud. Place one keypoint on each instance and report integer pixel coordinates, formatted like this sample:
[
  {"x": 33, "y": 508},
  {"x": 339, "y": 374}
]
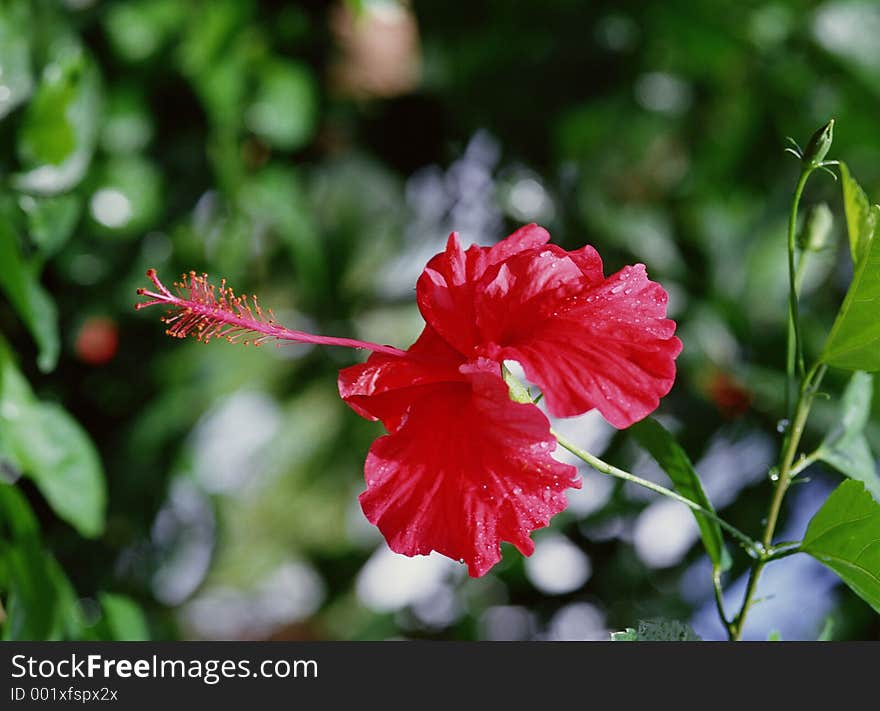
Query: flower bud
[
  {"x": 815, "y": 235},
  {"x": 819, "y": 144}
]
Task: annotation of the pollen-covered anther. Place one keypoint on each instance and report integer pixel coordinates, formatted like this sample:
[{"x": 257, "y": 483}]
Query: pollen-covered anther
[{"x": 205, "y": 312}]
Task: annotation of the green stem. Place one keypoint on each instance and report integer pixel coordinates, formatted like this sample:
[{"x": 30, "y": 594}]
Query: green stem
[
  {"x": 805, "y": 401},
  {"x": 809, "y": 383},
  {"x": 735, "y": 630},
  {"x": 783, "y": 553},
  {"x": 803, "y": 463},
  {"x": 795, "y": 355},
  {"x": 752, "y": 546}
]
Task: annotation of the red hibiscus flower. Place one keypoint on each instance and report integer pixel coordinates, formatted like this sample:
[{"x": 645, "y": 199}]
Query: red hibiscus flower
[{"x": 463, "y": 467}]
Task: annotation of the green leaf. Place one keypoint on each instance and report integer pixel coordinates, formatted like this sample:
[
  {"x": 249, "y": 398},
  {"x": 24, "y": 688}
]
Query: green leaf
[
  {"x": 42, "y": 603},
  {"x": 61, "y": 459},
  {"x": 50, "y": 220},
  {"x": 60, "y": 127},
  {"x": 216, "y": 55},
  {"x": 139, "y": 29},
  {"x": 123, "y": 620},
  {"x": 845, "y": 536},
  {"x": 662, "y": 446},
  {"x": 657, "y": 631},
  {"x": 33, "y": 602},
  {"x": 16, "y": 517},
  {"x": 69, "y": 619},
  {"x": 854, "y": 342},
  {"x": 49, "y": 446},
  {"x": 47, "y": 134},
  {"x": 284, "y": 111},
  {"x": 213, "y": 27},
  {"x": 15, "y": 56},
  {"x": 861, "y": 220},
  {"x": 18, "y": 280},
  {"x": 845, "y": 447},
  {"x": 14, "y": 388}
]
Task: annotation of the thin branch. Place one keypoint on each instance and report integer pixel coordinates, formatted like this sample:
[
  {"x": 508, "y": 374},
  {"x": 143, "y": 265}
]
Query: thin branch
[{"x": 752, "y": 546}]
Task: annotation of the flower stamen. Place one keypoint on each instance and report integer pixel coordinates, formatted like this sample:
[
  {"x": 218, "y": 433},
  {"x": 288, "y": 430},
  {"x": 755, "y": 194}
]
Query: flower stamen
[{"x": 201, "y": 310}]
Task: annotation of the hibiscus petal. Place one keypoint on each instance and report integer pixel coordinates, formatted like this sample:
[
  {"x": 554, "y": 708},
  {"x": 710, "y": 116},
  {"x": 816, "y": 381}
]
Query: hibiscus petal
[
  {"x": 384, "y": 387},
  {"x": 445, "y": 290},
  {"x": 526, "y": 237},
  {"x": 586, "y": 341},
  {"x": 467, "y": 469}
]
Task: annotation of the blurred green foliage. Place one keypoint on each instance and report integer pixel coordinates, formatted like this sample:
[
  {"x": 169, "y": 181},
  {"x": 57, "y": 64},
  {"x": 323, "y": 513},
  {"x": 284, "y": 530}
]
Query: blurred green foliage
[{"x": 164, "y": 488}]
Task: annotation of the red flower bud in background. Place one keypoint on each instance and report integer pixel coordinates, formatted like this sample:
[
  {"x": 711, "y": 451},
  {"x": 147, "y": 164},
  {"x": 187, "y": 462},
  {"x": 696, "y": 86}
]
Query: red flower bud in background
[
  {"x": 729, "y": 396},
  {"x": 97, "y": 341}
]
